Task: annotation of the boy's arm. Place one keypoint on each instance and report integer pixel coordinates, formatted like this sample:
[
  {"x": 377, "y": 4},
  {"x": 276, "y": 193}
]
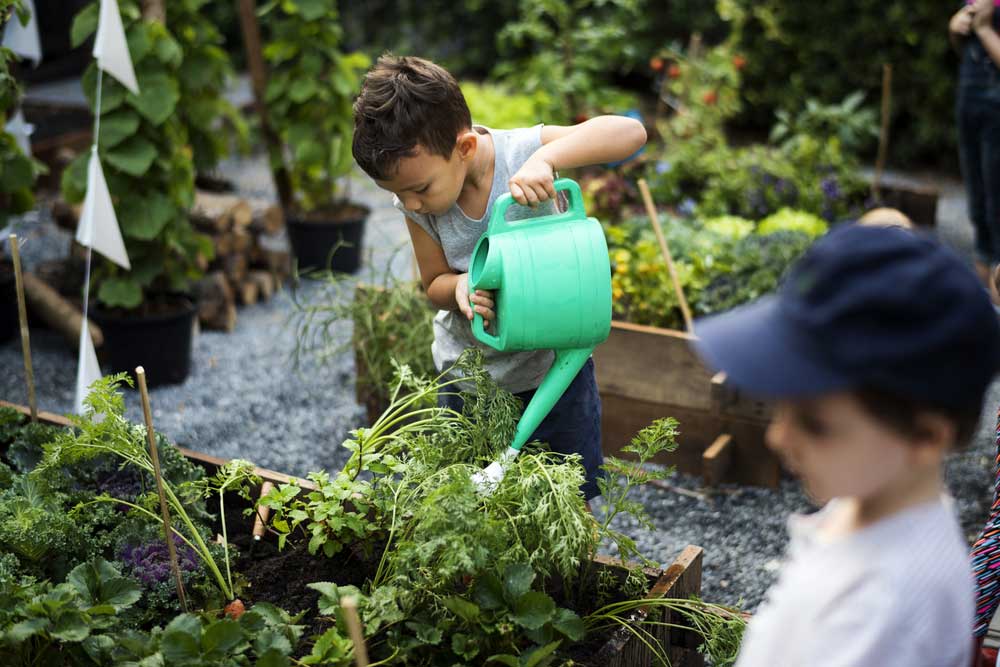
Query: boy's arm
[
  {"x": 446, "y": 289},
  {"x": 595, "y": 141}
]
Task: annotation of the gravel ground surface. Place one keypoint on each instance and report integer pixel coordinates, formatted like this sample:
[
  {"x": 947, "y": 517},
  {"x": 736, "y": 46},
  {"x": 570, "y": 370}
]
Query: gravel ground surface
[{"x": 243, "y": 399}]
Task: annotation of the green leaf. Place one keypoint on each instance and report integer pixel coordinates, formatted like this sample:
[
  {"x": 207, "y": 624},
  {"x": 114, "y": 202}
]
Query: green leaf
[
  {"x": 74, "y": 179},
  {"x": 158, "y": 97},
  {"x": 505, "y": 659},
  {"x": 145, "y": 217},
  {"x": 569, "y": 624},
  {"x": 222, "y": 636},
  {"x": 533, "y": 610},
  {"x": 180, "y": 639},
  {"x": 464, "y": 609},
  {"x": 120, "y": 291},
  {"x": 118, "y": 126},
  {"x": 272, "y": 658},
  {"x": 329, "y": 601},
  {"x": 488, "y": 592},
  {"x": 71, "y": 627},
  {"x": 24, "y": 630},
  {"x": 301, "y": 90},
  {"x": 316, "y": 542},
  {"x": 168, "y": 51},
  {"x": 536, "y": 657},
  {"x": 100, "y": 583},
  {"x": 17, "y": 174},
  {"x": 313, "y": 10},
  {"x": 84, "y": 24},
  {"x": 517, "y": 579},
  {"x": 112, "y": 92},
  {"x": 134, "y": 156}
]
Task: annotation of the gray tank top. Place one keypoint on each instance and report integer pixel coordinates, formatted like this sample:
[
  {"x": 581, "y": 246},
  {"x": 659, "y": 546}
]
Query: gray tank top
[{"x": 457, "y": 234}]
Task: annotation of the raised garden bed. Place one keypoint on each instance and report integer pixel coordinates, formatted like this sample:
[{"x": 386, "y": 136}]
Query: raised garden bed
[
  {"x": 276, "y": 576},
  {"x": 645, "y": 373}
]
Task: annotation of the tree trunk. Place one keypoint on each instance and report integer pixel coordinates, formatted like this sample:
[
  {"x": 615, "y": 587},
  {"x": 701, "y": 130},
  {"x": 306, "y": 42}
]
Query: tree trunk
[{"x": 154, "y": 10}]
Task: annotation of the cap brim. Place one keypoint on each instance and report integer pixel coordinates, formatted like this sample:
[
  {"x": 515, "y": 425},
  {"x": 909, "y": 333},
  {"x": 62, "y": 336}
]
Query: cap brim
[{"x": 764, "y": 353}]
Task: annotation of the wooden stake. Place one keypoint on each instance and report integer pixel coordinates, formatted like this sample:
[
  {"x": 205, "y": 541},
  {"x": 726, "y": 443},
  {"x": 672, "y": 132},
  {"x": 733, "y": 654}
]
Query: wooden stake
[
  {"x": 168, "y": 534},
  {"x": 883, "y": 135},
  {"x": 350, "y": 606},
  {"x": 22, "y": 315},
  {"x": 262, "y": 513},
  {"x": 647, "y": 199}
]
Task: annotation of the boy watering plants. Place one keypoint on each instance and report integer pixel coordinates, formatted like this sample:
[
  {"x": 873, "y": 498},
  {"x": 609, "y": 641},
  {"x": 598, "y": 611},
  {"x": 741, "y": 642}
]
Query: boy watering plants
[
  {"x": 878, "y": 350},
  {"x": 413, "y": 134}
]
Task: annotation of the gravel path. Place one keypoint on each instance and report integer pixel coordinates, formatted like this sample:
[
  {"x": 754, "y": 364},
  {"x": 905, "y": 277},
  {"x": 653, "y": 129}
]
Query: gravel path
[{"x": 243, "y": 399}]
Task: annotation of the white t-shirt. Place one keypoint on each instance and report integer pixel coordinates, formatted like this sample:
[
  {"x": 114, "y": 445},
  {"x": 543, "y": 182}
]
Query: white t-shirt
[{"x": 896, "y": 593}]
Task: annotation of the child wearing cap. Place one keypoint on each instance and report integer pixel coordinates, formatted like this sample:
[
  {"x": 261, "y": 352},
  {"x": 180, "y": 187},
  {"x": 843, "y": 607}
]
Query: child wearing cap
[{"x": 878, "y": 350}]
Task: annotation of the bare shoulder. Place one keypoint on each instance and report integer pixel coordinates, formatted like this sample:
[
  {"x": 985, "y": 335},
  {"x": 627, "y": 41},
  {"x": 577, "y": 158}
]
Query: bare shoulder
[{"x": 552, "y": 132}]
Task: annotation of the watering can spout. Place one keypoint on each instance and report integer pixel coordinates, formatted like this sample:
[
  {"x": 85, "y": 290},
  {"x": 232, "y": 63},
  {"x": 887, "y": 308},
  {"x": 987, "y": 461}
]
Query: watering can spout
[{"x": 564, "y": 370}]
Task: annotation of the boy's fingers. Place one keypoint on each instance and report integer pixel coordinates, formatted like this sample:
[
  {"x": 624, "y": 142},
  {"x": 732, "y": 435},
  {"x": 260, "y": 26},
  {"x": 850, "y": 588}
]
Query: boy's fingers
[
  {"x": 483, "y": 301},
  {"x": 518, "y": 194},
  {"x": 530, "y": 195},
  {"x": 550, "y": 187}
]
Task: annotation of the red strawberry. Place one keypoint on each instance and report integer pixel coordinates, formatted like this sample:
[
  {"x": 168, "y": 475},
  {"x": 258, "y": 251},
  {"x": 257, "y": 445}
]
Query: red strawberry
[
  {"x": 656, "y": 64},
  {"x": 235, "y": 609},
  {"x": 710, "y": 98},
  {"x": 674, "y": 71}
]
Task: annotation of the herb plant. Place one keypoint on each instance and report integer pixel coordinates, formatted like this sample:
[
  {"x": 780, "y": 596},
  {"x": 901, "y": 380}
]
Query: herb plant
[{"x": 114, "y": 436}]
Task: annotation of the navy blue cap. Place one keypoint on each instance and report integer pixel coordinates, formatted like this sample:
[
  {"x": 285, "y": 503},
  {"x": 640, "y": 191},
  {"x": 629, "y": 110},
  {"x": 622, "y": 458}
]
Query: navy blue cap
[{"x": 866, "y": 307}]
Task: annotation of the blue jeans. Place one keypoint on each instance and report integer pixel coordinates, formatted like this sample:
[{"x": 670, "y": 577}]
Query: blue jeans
[
  {"x": 572, "y": 427},
  {"x": 978, "y": 112}
]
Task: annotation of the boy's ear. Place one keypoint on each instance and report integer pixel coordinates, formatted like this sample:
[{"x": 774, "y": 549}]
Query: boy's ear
[
  {"x": 933, "y": 434},
  {"x": 467, "y": 145}
]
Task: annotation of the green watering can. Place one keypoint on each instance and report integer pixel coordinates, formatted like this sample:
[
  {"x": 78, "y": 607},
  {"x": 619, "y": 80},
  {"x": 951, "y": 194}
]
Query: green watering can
[{"x": 551, "y": 280}]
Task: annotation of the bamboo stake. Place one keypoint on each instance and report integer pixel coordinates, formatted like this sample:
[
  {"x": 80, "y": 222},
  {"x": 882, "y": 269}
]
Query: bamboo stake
[
  {"x": 350, "y": 607},
  {"x": 262, "y": 513},
  {"x": 22, "y": 316},
  {"x": 647, "y": 199},
  {"x": 883, "y": 135},
  {"x": 140, "y": 375}
]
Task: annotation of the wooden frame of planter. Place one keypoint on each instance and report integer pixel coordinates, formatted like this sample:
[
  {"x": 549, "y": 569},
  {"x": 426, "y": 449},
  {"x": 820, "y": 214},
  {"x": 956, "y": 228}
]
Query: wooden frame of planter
[
  {"x": 646, "y": 373},
  {"x": 679, "y": 580}
]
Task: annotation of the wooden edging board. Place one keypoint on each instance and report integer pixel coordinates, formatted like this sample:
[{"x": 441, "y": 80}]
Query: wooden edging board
[
  {"x": 645, "y": 373},
  {"x": 681, "y": 579}
]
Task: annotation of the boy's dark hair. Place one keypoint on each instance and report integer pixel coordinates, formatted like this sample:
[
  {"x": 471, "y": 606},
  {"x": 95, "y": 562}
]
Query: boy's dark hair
[
  {"x": 406, "y": 101},
  {"x": 899, "y": 413}
]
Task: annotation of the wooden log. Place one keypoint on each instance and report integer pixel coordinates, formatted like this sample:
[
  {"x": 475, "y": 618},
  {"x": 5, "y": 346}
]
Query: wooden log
[
  {"x": 717, "y": 459},
  {"x": 57, "y": 312},
  {"x": 223, "y": 243},
  {"x": 235, "y": 267},
  {"x": 249, "y": 292},
  {"x": 279, "y": 263},
  {"x": 264, "y": 282},
  {"x": 242, "y": 240},
  {"x": 216, "y": 307},
  {"x": 220, "y": 211}
]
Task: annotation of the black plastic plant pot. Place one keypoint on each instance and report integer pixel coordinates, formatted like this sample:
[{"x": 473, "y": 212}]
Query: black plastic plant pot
[
  {"x": 160, "y": 342},
  {"x": 8, "y": 302},
  {"x": 328, "y": 244}
]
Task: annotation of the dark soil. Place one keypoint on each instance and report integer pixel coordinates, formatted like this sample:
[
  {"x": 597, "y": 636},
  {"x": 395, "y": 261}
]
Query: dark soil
[{"x": 282, "y": 577}]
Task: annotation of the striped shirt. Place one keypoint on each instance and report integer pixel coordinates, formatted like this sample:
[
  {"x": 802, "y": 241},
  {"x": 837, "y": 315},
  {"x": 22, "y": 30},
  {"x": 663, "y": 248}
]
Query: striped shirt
[{"x": 896, "y": 593}]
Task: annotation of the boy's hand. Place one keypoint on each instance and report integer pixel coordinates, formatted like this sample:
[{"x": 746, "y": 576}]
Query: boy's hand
[
  {"x": 533, "y": 182},
  {"x": 961, "y": 21},
  {"x": 482, "y": 301}
]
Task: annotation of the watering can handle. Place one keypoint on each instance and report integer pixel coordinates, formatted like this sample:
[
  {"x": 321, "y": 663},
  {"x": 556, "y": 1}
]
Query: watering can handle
[
  {"x": 481, "y": 334},
  {"x": 499, "y": 222}
]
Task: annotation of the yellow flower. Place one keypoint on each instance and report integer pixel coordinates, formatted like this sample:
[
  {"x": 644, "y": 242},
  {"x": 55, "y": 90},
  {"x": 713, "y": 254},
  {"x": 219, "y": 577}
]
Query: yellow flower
[{"x": 622, "y": 257}]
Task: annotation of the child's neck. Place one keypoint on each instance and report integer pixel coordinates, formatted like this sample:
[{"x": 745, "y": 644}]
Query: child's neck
[
  {"x": 478, "y": 183},
  {"x": 920, "y": 486}
]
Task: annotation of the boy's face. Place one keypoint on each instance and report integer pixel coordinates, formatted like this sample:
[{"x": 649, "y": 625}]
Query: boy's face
[
  {"x": 838, "y": 449},
  {"x": 429, "y": 184}
]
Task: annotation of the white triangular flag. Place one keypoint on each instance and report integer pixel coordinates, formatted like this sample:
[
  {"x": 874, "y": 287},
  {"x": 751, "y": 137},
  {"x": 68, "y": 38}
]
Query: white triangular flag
[
  {"x": 110, "y": 47},
  {"x": 98, "y": 228},
  {"x": 88, "y": 370},
  {"x": 21, "y": 131},
  {"x": 23, "y": 39}
]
